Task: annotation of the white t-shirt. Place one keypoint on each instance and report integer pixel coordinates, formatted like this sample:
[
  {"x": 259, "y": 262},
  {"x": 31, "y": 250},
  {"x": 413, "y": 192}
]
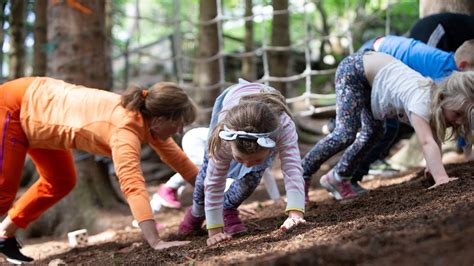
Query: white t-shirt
[
  {"x": 195, "y": 144},
  {"x": 397, "y": 91}
]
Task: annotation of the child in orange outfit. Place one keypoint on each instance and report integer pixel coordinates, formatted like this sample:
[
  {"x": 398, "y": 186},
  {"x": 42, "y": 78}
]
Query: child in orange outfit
[{"x": 46, "y": 118}]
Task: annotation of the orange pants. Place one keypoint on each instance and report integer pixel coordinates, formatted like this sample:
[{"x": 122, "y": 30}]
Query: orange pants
[{"x": 55, "y": 167}]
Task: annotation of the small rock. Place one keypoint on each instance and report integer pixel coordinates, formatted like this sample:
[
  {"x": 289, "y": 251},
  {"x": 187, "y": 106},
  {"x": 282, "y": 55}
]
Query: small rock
[{"x": 56, "y": 262}]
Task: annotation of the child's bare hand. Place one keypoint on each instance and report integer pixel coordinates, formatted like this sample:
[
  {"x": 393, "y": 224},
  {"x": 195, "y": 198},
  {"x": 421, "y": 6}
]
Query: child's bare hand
[
  {"x": 164, "y": 245},
  {"x": 441, "y": 181},
  {"x": 214, "y": 239},
  {"x": 248, "y": 213},
  {"x": 291, "y": 222}
]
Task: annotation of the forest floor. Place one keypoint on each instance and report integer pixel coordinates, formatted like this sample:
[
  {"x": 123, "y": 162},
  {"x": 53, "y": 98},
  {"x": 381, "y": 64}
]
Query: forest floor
[{"x": 398, "y": 222}]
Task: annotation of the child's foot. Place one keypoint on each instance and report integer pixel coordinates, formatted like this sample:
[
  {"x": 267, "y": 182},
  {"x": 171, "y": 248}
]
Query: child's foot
[
  {"x": 167, "y": 197},
  {"x": 10, "y": 248},
  {"x": 232, "y": 223},
  {"x": 190, "y": 223},
  {"x": 155, "y": 203},
  {"x": 340, "y": 189}
]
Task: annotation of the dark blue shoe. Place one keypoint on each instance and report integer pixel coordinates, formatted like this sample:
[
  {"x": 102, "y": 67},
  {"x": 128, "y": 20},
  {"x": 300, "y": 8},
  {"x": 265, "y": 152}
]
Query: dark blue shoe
[{"x": 10, "y": 248}]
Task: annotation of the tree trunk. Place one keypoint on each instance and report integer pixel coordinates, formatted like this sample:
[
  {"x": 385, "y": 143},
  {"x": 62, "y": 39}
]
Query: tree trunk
[
  {"x": 79, "y": 56},
  {"x": 17, "y": 39},
  {"x": 39, "y": 33},
  {"x": 279, "y": 60},
  {"x": 325, "y": 28},
  {"x": 430, "y": 7},
  {"x": 109, "y": 8},
  {"x": 248, "y": 67},
  {"x": 3, "y": 4},
  {"x": 207, "y": 73},
  {"x": 79, "y": 42}
]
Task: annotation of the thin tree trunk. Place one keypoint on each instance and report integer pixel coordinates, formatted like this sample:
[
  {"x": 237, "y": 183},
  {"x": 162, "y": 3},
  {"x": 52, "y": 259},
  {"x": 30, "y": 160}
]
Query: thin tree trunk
[
  {"x": 279, "y": 61},
  {"x": 3, "y": 17},
  {"x": 248, "y": 69},
  {"x": 109, "y": 9},
  {"x": 40, "y": 36},
  {"x": 17, "y": 39},
  {"x": 325, "y": 29},
  {"x": 207, "y": 73}
]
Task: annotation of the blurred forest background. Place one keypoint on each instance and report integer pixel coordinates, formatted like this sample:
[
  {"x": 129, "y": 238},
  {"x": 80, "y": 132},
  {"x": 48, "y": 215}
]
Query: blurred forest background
[{"x": 204, "y": 45}]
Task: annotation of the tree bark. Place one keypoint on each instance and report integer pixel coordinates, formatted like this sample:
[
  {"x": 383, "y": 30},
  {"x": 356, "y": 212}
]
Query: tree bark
[
  {"x": 325, "y": 28},
  {"x": 79, "y": 42},
  {"x": 40, "y": 36},
  {"x": 248, "y": 66},
  {"x": 279, "y": 60},
  {"x": 109, "y": 7},
  {"x": 3, "y": 4},
  {"x": 207, "y": 73},
  {"x": 430, "y": 7},
  {"x": 79, "y": 56},
  {"x": 17, "y": 39}
]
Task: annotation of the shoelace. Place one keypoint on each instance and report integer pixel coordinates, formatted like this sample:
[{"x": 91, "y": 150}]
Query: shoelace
[{"x": 18, "y": 243}]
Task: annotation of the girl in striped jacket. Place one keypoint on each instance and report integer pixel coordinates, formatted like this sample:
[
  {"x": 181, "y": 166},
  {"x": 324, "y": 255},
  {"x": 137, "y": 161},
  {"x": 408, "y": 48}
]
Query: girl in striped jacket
[{"x": 250, "y": 124}]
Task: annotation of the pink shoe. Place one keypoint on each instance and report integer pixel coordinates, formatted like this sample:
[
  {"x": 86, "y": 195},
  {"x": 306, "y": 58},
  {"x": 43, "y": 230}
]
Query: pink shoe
[
  {"x": 190, "y": 223},
  {"x": 341, "y": 190},
  {"x": 167, "y": 197},
  {"x": 307, "y": 184},
  {"x": 232, "y": 223}
]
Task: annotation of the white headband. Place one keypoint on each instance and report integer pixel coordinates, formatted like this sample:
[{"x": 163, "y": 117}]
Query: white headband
[{"x": 263, "y": 139}]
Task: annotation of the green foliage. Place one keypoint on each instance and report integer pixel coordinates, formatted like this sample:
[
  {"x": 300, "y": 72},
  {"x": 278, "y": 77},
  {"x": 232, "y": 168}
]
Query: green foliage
[{"x": 160, "y": 18}]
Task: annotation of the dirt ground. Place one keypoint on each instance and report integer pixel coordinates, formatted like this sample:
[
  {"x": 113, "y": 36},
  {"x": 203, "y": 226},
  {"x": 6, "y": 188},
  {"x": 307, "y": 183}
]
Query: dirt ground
[{"x": 398, "y": 222}]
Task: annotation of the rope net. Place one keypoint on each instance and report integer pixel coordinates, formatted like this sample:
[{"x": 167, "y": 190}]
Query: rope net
[{"x": 177, "y": 51}]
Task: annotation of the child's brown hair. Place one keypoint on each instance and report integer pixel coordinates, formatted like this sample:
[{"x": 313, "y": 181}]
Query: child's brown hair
[
  {"x": 164, "y": 99},
  {"x": 255, "y": 113}
]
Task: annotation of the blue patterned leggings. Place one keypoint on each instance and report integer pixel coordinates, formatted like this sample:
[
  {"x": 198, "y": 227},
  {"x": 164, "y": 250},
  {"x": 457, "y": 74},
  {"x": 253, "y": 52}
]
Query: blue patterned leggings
[
  {"x": 240, "y": 189},
  {"x": 353, "y": 112}
]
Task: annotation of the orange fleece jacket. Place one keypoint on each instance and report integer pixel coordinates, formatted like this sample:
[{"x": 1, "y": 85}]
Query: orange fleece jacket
[{"x": 58, "y": 115}]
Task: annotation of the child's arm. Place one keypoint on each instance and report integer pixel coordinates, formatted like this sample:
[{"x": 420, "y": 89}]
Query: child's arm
[
  {"x": 148, "y": 229},
  {"x": 214, "y": 186},
  {"x": 431, "y": 150},
  {"x": 292, "y": 173}
]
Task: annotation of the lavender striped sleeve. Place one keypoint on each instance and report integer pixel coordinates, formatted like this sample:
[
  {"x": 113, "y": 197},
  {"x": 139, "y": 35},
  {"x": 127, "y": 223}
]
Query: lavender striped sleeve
[
  {"x": 287, "y": 144},
  {"x": 214, "y": 186}
]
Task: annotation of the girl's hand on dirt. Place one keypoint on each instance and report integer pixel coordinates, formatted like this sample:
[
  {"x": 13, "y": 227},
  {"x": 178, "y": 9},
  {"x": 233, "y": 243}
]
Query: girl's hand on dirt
[
  {"x": 294, "y": 218},
  {"x": 164, "y": 245},
  {"x": 247, "y": 212},
  {"x": 443, "y": 180},
  {"x": 219, "y": 237}
]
